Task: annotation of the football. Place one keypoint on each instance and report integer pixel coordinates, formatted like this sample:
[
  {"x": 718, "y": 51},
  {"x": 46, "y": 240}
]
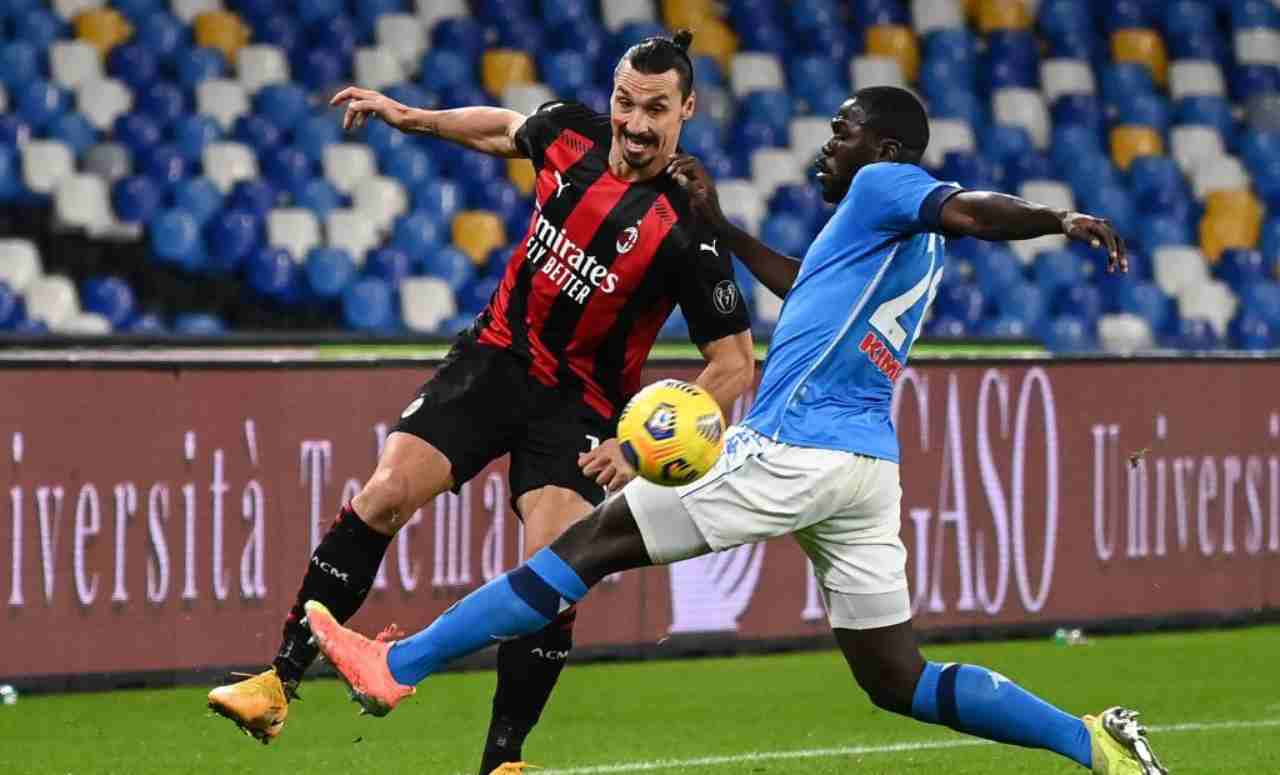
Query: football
[{"x": 671, "y": 432}]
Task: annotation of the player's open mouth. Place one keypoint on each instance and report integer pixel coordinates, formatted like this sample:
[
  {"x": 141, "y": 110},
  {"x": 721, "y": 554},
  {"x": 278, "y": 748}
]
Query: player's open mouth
[
  {"x": 820, "y": 165},
  {"x": 633, "y": 145}
]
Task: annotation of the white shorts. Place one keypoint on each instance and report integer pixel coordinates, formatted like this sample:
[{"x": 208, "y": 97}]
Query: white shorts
[{"x": 842, "y": 508}]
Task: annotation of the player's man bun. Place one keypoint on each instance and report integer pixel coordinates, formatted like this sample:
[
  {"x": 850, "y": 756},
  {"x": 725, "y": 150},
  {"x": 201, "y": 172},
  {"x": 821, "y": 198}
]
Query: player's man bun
[{"x": 652, "y": 56}]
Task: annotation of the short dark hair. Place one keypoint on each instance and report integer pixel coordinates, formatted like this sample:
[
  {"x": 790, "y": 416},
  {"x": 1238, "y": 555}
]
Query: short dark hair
[
  {"x": 658, "y": 55},
  {"x": 896, "y": 114}
]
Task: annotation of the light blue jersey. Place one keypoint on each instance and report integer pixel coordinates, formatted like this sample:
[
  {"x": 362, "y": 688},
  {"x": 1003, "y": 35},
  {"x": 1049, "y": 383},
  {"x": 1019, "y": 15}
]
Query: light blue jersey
[{"x": 850, "y": 319}]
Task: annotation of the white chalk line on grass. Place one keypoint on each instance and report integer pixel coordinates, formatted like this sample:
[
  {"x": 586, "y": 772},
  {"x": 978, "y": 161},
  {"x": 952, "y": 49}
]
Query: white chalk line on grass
[{"x": 855, "y": 750}]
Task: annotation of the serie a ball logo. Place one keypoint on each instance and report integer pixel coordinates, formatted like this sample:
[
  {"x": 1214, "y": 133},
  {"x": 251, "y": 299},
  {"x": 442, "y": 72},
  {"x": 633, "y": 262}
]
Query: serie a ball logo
[{"x": 671, "y": 432}]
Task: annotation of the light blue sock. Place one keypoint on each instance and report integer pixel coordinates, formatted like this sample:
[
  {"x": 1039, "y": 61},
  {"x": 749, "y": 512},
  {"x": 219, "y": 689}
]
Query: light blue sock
[
  {"x": 979, "y": 702},
  {"x": 514, "y": 604}
]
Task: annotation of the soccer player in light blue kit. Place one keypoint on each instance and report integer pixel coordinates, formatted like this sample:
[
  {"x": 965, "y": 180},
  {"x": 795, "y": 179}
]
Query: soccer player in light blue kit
[{"x": 817, "y": 456}]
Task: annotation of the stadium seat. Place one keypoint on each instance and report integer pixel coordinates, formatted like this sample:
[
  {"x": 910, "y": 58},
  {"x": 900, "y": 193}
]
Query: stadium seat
[
  {"x": 72, "y": 62},
  {"x": 377, "y": 68},
  {"x": 1054, "y": 195},
  {"x": 1059, "y": 77},
  {"x": 352, "y": 231},
  {"x": 404, "y": 37},
  {"x": 946, "y": 136},
  {"x": 521, "y": 173},
  {"x": 260, "y": 65},
  {"x": 1124, "y": 333},
  {"x": 83, "y": 324},
  {"x": 226, "y": 163},
  {"x": 1241, "y": 203},
  {"x": 501, "y": 68},
  {"x": 996, "y": 15},
  {"x": 1024, "y": 108},
  {"x": 109, "y": 161},
  {"x": 1144, "y": 47},
  {"x": 1128, "y": 142},
  {"x": 1192, "y": 145},
  {"x": 45, "y": 163},
  {"x": 19, "y": 263},
  {"x": 189, "y": 10},
  {"x": 1175, "y": 268},
  {"x": 895, "y": 42},
  {"x": 223, "y": 31},
  {"x": 1225, "y": 174},
  {"x": 294, "y": 229},
  {"x": 102, "y": 100},
  {"x": 369, "y": 305},
  {"x": 752, "y": 71},
  {"x": 418, "y": 234},
  {"x": 806, "y": 135},
  {"x": 381, "y": 200},
  {"x": 197, "y": 65},
  {"x": 526, "y": 98},
  {"x": 686, "y": 14},
  {"x": 346, "y": 164},
  {"x": 103, "y": 28},
  {"x": 715, "y": 39},
  {"x": 429, "y": 12},
  {"x": 739, "y": 199},
  {"x": 617, "y": 13},
  {"x": 1195, "y": 78},
  {"x": 1264, "y": 112},
  {"x": 81, "y": 201},
  {"x": 285, "y": 166},
  {"x": 51, "y": 299},
  {"x": 1211, "y": 301},
  {"x": 773, "y": 167},
  {"x": 328, "y": 271},
  {"x": 876, "y": 71},
  {"x": 223, "y": 99},
  {"x": 70, "y": 9},
  {"x": 933, "y": 15},
  {"x": 441, "y": 199},
  {"x": 1258, "y": 46},
  {"x": 477, "y": 232},
  {"x": 1220, "y": 231},
  {"x": 110, "y": 297},
  {"x": 425, "y": 303}
]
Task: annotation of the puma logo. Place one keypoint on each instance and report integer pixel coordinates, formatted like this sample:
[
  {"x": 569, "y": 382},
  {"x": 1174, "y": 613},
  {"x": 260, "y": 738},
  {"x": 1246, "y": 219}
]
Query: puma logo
[
  {"x": 710, "y": 248},
  {"x": 561, "y": 184}
]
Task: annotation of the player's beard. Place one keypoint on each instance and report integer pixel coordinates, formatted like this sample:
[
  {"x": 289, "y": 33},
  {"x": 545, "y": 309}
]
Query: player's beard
[{"x": 643, "y": 157}]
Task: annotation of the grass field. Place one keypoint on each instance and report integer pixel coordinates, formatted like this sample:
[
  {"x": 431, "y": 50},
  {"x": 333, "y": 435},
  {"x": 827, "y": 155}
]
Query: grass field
[{"x": 1211, "y": 698}]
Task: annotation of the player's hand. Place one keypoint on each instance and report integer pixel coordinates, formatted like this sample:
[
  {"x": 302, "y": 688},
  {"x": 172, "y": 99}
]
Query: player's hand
[
  {"x": 689, "y": 173},
  {"x": 1098, "y": 233},
  {"x": 607, "y": 466},
  {"x": 362, "y": 103}
]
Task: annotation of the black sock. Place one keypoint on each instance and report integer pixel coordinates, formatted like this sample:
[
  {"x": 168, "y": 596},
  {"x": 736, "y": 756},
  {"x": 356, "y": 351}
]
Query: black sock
[
  {"x": 527, "y": 672},
  {"x": 339, "y": 575}
]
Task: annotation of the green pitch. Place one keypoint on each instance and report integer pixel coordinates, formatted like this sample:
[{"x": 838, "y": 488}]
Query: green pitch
[{"x": 1211, "y": 698}]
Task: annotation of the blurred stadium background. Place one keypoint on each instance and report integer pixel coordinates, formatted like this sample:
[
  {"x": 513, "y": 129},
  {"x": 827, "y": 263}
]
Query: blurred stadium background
[{"x": 172, "y": 167}]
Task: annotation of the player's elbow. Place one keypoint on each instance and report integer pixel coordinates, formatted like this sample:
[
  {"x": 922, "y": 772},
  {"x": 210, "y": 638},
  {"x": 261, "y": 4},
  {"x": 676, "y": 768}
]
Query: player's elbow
[{"x": 739, "y": 373}]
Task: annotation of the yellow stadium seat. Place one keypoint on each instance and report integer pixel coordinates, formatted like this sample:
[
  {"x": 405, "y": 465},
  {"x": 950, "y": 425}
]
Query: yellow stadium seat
[
  {"x": 521, "y": 173},
  {"x": 222, "y": 30},
  {"x": 1221, "y": 231},
  {"x": 105, "y": 28},
  {"x": 476, "y": 232},
  {"x": 1144, "y": 47},
  {"x": 970, "y": 8},
  {"x": 503, "y": 67},
  {"x": 1002, "y": 15},
  {"x": 898, "y": 42},
  {"x": 715, "y": 39},
  {"x": 688, "y": 14},
  {"x": 1239, "y": 203},
  {"x": 1130, "y": 141}
]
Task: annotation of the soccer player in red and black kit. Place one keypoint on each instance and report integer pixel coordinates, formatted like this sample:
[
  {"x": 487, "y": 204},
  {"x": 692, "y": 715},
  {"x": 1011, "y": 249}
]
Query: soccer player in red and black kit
[{"x": 611, "y": 249}]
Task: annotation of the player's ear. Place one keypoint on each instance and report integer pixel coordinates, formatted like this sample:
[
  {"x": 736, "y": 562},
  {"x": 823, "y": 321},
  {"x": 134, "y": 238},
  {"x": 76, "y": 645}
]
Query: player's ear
[
  {"x": 890, "y": 150},
  {"x": 689, "y": 107}
]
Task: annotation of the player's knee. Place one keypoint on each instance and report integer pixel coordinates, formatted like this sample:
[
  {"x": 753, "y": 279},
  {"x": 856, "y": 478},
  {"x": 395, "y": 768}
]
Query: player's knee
[
  {"x": 888, "y": 687},
  {"x": 387, "y": 500}
]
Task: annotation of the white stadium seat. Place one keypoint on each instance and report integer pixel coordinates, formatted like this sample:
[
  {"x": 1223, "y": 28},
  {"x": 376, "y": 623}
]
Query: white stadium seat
[
  {"x": 188, "y": 10},
  {"x": 1178, "y": 268},
  {"x": 431, "y": 11},
  {"x": 1024, "y": 108},
  {"x": 1225, "y": 173},
  {"x": 45, "y": 163},
  {"x": 1258, "y": 46},
  {"x": 353, "y": 231},
  {"x": 381, "y": 199},
  {"x": 1194, "y": 144},
  {"x": 228, "y": 163},
  {"x": 346, "y": 164},
  {"x": 82, "y": 201},
  {"x": 526, "y": 98},
  {"x": 222, "y": 99},
  {"x": 932, "y": 15},
  {"x": 293, "y": 228},
  {"x": 1212, "y": 300},
  {"x": 72, "y": 62},
  {"x": 753, "y": 71},
  {"x": 261, "y": 65},
  {"x": 377, "y": 67},
  {"x": 945, "y": 136},
  {"x": 616, "y": 13},
  {"x": 741, "y": 199},
  {"x": 52, "y": 299},
  {"x": 102, "y": 100},
  {"x": 84, "y": 324},
  {"x": 716, "y": 103},
  {"x": 109, "y": 161},
  {"x": 403, "y": 35},
  {"x": 1059, "y": 77},
  {"x": 806, "y": 136},
  {"x": 4, "y": 99},
  {"x": 425, "y": 303},
  {"x": 1054, "y": 194},
  {"x": 1124, "y": 334},
  {"x": 767, "y": 305},
  {"x": 68, "y": 10},
  {"x": 19, "y": 263},
  {"x": 773, "y": 167},
  {"x": 876, "y": 71},
  {"x": 1195, "y": 78}
]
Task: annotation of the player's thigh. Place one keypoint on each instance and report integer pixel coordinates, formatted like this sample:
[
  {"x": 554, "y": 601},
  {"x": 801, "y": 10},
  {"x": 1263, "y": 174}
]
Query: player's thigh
[
  {"x": 544, "y": 459},
  {"x": 548, "y": 512},
  {"x": 409, "y": 473},
  {"x": 857, "y": 553}
]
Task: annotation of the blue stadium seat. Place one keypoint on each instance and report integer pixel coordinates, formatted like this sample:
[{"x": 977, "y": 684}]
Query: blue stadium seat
[
  {"x": 722, "y": 166},
  {"x": 1004, "y": 328},
  {"x": 418, "y": 234},
  {"x": 786, "y": 234},
  {"x": 408, "y": 164},
  {"x": 162, "y": 34},
  {"x": 764, "y": 34},
  {"x": 1191, "y": 334},
  {"x": 273, "y": 273},
  {"x": 1251, "y": 332},
  {"x": 1011, "y": 60},
  {"x": 1249, "y": 81},
  {"x": 1024, "y": 302},
  {"x": 1069, "y": 143},
  {"x": 74, "y": 130},
  {"x": 700, "y": 135},
  {"x": 706, "y": 72},
  {"x": 463, "y": 35},
  {"x": 802, "y": 201},
  {"x": 441, "y": 199},
  {"x": 1144, "y": 110},
  {"x": 1004, "y": 142},
  {"x": 556, "y": 13},
  {"x": 316, "y": 68},
  {"x": 407, "y": 93},
  {"x": 1262, "y": 299},
  {"x": 1084, "y": 110},
  {"x": 805, "y": 16},
  {"x": 1057, "y": 269},
  {"x": 996, "y": 267},
  {"x": 1145, "y": 300},
  {"x": 475, "y": 295},
  {"x": 474, "y": 170},
  {"x": 500, "y": 196},
  {"x": 1069, "y": 334},
  {"x": 370, "y": 305},
  {"x": 938, "y": 76},
  {"x": 194, "y": 65},
  {"x": 1187, "y": 17},
  {"x": 767, "y": 106},
  {"x": 1241, "y": 267},
  {"x": 146, "y": 324},
  {"x": 465, "y": 95},
  {"x": 11, "y": 185},
  {"x": 319, "y": 196},
  {"x": 319, "y": 10},
  {"x": 1111, "y": 201},
  {"x": 337, "y": 34},
  {"x": 959, "y": 104},
  {"x": 1269, "y": 243},
  {"x": 11, "y": 308},
  {"x": 368, "y": 11},
  {"x": 1061, "y": 19},
  {"x": 20, "y": 63},
  {"x": 175, "y": 237},
  {"x": 13, "y": 130},
  {"x": 869, "y": 12},
  {"x": 198, "y": 197},
  {"x": 1253, "y": 13},
  {"x": 588, "y": 36},
  {"x": 806, "y": 73},
  {"x": 1083, "y": 301},
  {"x": 945, "y": 327},
  {"x": 230, "y": 236},
  {"x": 163, "y": 163},
  {"x": 281, "y": 103},
  {"x": 1157, "y": 184},
  {"x": 516, "y": 222},
  {"x": 313, "y": 133},
  {"x": 451, "y": 265},
  {"x": 255, "y": 196},
  {"x": 971, "y": 170},
  {"x": 282, "y": 30},
  {"x": 286, "y": 166},
  {"x": 199, "y": 324},
  {"x": 190, "y": 135},
  {"x": 1027, "y": 166},
  {"x": 566, "y": 70},
  {"x": 1121, "y": 80},
  {"x": 957, "y": 44},
  {"x": 110, "y": 297},
  {"x": 834, "y": 41},
  {"x": 328, "y": 271},
  {"x": 1214, "y": 111},
  {"x": 523, "y": 34},
  {"x": 388, "y": 263},
  {"x": 1156, "y": 231},
  {"x": 40, "y": 102},
  {"x": 163, "y": 102},
  {"x": 1122, "y": 14},
  {"x": 39, "y": 27}
]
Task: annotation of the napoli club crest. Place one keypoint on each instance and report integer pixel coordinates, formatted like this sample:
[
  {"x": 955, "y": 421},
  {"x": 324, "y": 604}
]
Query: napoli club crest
[{"x": 628, "y": 239}]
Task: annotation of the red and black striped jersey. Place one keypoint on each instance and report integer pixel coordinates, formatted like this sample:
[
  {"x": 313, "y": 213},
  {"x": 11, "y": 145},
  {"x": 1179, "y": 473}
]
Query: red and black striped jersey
[{"x": 602, "y": 265}]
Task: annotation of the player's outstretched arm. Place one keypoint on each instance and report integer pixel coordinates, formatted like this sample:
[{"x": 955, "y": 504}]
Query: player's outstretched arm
[
  {"x": 992, "y": 216},
  {"x": 730, "y": 369},
  {"x": 774, "y": 270},
  {"x": 485, "y": 129}
]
